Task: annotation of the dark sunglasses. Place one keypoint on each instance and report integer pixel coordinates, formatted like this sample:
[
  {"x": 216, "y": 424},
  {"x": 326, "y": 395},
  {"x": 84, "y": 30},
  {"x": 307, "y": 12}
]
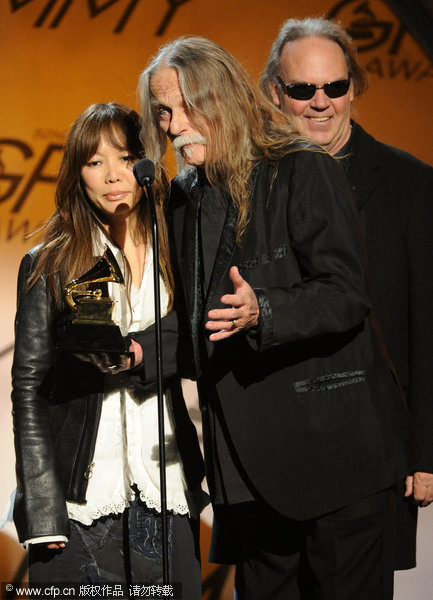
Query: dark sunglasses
[{"x": 305, "y": 91}]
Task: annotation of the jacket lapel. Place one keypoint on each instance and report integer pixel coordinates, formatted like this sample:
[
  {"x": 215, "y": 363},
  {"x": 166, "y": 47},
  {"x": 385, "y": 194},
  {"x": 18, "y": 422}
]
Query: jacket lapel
[
  {"x": 227, "y": 250},
  {"x": 223, "y": 259},
  {"x": 364, "y": 174},
  {"x": 191, "y": 269}
]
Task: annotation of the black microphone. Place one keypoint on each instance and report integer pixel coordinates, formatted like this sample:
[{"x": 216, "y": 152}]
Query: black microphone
[{"x": 144, "y": 172}]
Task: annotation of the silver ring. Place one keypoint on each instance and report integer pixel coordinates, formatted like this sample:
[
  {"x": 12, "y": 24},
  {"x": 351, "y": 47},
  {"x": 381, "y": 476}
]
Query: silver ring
[{"x": 112, "y": 367}]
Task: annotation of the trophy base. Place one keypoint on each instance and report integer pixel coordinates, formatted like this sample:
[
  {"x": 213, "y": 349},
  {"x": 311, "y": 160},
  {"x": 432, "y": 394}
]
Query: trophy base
[{"x": 79, "y": 337}]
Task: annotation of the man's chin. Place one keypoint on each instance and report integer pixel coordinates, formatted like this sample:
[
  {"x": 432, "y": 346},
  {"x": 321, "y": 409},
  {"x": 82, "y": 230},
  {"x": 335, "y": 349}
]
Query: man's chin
[
  {"x": 322, "y": 138},
  {"x": 191, "y": 159}
]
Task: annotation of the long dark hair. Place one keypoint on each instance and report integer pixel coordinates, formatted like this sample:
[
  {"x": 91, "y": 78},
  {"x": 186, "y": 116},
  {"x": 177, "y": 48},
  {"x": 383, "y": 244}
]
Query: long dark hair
[{"x": 67, "y": 248}]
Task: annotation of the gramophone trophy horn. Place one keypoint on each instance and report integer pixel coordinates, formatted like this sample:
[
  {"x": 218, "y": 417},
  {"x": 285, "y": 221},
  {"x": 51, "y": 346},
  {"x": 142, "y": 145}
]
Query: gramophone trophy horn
[
  {"x": 90, "y": 304},
  {"x": 92, "y": 327}
]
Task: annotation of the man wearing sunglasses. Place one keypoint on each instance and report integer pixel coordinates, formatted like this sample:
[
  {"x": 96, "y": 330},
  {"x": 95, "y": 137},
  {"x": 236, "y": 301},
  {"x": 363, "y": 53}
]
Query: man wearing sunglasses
[
  {"x": 312, "y": 74},
  {"x": 312, "y": 79}
]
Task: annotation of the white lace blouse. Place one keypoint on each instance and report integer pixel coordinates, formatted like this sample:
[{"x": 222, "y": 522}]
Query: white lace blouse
[{"x": 126, "y": 450}]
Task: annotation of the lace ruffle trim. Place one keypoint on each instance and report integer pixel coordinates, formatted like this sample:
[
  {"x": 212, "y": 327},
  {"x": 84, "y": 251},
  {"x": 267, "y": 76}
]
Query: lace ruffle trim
[{"x": 93, "y": 510}]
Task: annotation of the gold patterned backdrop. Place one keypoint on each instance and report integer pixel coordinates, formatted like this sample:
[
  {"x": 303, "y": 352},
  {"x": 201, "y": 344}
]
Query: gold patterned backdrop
[{"x": 58, "y": 56}]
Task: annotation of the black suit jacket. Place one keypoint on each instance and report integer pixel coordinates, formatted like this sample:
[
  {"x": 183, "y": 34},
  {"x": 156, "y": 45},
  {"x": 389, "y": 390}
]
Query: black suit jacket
[
  {"x": 394, "y": 194},
  {"x": 313, "y": 415}
]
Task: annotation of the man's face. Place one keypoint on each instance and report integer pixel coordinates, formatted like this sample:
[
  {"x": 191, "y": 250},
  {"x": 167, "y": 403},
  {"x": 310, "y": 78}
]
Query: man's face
[
  {"x": 325, "y": 120},
  {"x": 174, "y": 117}
]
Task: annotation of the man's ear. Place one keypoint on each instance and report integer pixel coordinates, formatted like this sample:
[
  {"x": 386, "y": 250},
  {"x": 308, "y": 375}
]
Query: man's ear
[{"x": 273, "y": 88}]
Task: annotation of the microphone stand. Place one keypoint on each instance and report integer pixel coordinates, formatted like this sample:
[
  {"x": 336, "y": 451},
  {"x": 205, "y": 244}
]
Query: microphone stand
[{"x": 161, "y": 430}]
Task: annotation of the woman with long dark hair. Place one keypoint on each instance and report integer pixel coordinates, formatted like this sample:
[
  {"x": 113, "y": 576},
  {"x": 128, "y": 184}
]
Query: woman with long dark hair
[{"x": 86, "y": 436}]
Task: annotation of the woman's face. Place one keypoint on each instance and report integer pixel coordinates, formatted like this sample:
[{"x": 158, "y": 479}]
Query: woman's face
[{"x": 109, "y": 181}]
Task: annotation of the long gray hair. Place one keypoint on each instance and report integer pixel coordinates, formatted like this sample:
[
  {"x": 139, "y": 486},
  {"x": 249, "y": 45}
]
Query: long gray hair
[{"x": 226, "y": 106}]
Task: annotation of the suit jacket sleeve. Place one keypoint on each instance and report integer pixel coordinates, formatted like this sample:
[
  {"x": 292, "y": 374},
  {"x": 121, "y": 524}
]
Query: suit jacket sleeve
[
  {"x": 145, "y": 375},
  {"x": 330, "y": 295},
  {"x": 420, "y": 263}
]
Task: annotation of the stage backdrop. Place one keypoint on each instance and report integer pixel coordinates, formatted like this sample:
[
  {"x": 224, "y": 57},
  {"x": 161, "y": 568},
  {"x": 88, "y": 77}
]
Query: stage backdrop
[{"x": 58, "y": 56}]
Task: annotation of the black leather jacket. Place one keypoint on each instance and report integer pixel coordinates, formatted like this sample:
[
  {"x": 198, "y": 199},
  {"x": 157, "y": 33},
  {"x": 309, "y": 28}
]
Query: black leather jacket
[{"x": 57, "y": 403}]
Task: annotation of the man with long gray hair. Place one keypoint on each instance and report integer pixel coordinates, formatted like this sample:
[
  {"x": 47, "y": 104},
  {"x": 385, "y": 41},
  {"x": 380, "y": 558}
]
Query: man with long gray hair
[
  {"x": 313, "y": 76},
  {"x": 305, "y": 429}
]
